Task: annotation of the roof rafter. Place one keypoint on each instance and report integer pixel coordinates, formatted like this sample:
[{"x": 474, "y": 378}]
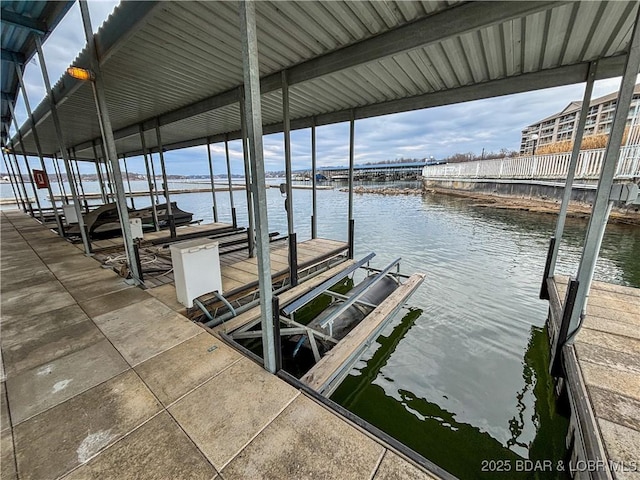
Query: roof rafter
[
  {"x": 13, "y": 57},
  {"x": 435, "y": 28},
  {"x": 13, "y": 18},
  {"x": 566, "y": 75}
]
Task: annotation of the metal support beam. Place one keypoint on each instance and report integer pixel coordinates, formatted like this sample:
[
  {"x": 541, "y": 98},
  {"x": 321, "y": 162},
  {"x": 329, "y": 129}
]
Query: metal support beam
[
  {"x": 100, "y": 182},
  {"x": 126, "y": 174},
  {"x": 79, "y": 179},
  {"x": 31, "y": 24},
  {"x": 276, "y": 332},
  {"x": 63, "y": 191},
  {"x": 253, "y": 115},
  {"x": 234, "y": 219},
  {"x": 107, "y": 173},
  {"x": 26, "y": 162},
  {"x": 568, "y": 186},
  {"x": 293, "y": 250},
  {"x": 251, "y": 245},
  {"x": 63, "y": 149},
  {"x": 602, "y": 203},
  {"x": 155, "y": 179},
  {"x": 165, "y": 183},
  {"x": 352, "y": 130},
  {"x": 24, "y": 189},
  {"x": 103, "y": 190},
  {"x": 213, "y": 185},
  {"x": 4, "y": 158},
  {"x": 150, "y": 181},
  {"x": 109, "y": 141},
  {"x": 36, "y": 140},
  {"x": 314, "y": 196},
  {"x": 287, "y": 152},
  {"x": 13, "y": 57}
]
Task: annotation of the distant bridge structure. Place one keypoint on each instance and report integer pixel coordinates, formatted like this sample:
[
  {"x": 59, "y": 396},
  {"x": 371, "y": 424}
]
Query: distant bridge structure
[{"x": 378, "y": 171}]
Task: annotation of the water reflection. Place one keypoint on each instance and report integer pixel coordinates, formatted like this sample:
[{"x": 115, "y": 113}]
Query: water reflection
[{"x": 425, "y": 425}]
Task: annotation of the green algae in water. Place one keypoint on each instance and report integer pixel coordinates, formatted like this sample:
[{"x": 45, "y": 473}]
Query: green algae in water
[{"x": 461, "y": 448}]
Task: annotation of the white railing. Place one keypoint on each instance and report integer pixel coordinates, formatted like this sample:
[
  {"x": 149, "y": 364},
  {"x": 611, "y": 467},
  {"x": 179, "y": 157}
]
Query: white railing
[{"x": 541, "y": 167}]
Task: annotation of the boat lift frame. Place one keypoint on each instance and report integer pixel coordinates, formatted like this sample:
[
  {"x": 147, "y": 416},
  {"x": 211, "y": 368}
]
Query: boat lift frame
[{"x": 286, "y": 315}]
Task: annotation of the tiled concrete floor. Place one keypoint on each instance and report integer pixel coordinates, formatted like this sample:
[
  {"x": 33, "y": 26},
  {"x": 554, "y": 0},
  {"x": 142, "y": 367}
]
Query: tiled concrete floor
[{"x": 102, "y": 380}]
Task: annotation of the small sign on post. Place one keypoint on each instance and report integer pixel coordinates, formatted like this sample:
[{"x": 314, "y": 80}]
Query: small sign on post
[{"x": 41, "y": 179}]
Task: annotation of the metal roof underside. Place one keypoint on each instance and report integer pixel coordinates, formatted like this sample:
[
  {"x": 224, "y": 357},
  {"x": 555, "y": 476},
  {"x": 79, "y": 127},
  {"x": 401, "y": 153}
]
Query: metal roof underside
[
  {"x": 179, "y": 63},
  {"x": 21, "y": 20}
]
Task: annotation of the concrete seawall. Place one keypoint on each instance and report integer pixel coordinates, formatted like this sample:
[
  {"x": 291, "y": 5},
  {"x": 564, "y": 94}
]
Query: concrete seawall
[{"x": 539, "y": 196}]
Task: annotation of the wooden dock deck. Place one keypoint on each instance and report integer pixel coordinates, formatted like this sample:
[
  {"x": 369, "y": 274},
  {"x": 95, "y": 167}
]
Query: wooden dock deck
[
  {"x": 102, "y": 380},
  {"x": 603, "y": 380}
]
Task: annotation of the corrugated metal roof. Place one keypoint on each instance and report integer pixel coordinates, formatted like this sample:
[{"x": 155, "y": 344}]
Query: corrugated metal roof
[
  {"x": 21, "y": 20},
  {"x": 179, "y": 63}
]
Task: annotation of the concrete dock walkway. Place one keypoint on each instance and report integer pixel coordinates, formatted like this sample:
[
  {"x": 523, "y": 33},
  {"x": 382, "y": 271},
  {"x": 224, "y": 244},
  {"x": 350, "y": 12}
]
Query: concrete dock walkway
[{"x": 102, "y": 380}]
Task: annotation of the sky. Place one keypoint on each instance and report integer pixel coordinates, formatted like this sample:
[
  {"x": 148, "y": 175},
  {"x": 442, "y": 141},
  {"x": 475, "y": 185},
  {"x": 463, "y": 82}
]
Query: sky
[{"x": 490, "y": 124}]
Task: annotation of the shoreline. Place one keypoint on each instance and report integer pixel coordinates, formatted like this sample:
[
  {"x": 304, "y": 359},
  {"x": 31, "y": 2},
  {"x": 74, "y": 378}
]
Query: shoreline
[{"x": 631, "y": 216}]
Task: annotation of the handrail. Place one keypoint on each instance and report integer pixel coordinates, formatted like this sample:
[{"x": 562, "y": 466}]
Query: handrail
[{"x": 541, "y": 167}]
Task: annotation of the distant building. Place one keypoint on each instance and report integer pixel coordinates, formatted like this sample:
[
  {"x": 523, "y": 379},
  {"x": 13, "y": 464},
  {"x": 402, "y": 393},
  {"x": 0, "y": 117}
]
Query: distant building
[{"x": 563, "y": 125}]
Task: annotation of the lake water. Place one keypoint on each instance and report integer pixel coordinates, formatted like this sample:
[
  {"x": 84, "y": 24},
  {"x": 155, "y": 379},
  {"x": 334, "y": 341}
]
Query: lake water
[{"x": 464, "y": 377}]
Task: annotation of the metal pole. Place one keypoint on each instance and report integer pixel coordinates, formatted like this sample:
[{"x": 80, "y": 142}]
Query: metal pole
[
  {"x": 352, "y": 129},
  {"x": 234, "y": 219},
  {"x": 36, "y": 140},
  {"x": 155, "y": 180},
  {"x": 575, "y": 153},
  {"x": 73, "y": 178},
  {"x": 99, "y": 178},
  {"x": 103, "y": 192},
  {"x": 107, "y": 134},
  {"x": 84, "y": 195},
  {"x": 24, "y": 189},
  {"x": 213, "y": 184},
  {"x": 150, "y": 180},
  {"x": 172, "y": 223},
  {"x": 287, "y": 151},
  {"x": 251, "y": 234},
  {"x": 253, "y": 114},
  {"x": 4, "y": 158},
  {"x": 293, "y": 251},
  {"x": 107, "y": 172},
  {"x": 126, "y": 173},
  {"x": 602, "y": 204},
  {"x": 26, "y": 161},
  {"x": 58, "y": 171},
  {"x": 314, "y": 199}
]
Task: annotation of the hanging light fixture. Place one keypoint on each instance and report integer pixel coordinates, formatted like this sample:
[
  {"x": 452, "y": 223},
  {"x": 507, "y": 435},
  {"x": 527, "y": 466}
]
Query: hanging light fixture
[{"x": 81, "y": 73}]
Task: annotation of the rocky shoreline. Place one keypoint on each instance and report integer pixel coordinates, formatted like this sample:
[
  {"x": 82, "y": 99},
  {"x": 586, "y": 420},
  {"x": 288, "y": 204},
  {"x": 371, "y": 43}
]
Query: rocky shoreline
[
  {"x": 385, "y": 191},
  {"x": 629, "y": 215}
]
